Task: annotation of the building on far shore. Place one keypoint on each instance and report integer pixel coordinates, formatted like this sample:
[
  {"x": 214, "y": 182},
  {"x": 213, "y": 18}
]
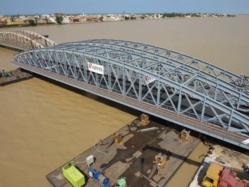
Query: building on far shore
[
  {"x": 3, "y": 21},
  {"x": 19, "y": 20}
]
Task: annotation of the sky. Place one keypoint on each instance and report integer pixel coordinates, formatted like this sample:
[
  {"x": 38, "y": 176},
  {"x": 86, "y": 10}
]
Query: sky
[{"x": 28, "y": 7}]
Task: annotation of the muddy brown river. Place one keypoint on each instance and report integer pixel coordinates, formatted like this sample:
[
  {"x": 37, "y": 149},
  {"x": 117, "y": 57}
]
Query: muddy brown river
[{"x": 43, "y": 125}]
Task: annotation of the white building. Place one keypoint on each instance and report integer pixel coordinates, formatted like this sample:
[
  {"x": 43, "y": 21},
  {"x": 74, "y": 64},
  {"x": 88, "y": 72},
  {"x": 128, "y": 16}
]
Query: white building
[
  {"x": 52, "y": 20},
  {"x": 66, "y": 20},
  {"x": 45, "y": 16}
]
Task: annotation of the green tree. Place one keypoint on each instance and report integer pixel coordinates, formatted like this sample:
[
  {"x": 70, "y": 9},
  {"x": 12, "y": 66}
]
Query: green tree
[
  {"x": 12, "y": 19},
  {"x": 59, "y": 19},
  {"x": 32, "y": 22}
]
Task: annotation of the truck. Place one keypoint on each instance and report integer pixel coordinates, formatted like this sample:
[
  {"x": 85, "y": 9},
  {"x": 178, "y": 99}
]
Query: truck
[{"x": 220, "y": 176}]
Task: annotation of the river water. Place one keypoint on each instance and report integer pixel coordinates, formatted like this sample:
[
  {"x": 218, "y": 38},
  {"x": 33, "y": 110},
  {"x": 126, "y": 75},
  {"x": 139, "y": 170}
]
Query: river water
[{"x": 44, "y": 125}]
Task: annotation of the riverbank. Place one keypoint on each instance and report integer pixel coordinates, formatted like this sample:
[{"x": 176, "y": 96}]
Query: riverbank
[{"x": 26, "y": 21}]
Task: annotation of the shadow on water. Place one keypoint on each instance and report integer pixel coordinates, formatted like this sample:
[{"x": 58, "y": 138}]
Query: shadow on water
[
  {"x": 108, "y": 102},
  {"x": 92, "y": 96}
]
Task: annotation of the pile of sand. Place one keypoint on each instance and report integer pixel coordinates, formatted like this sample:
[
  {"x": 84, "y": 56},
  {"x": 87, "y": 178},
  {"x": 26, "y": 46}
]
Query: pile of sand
[{"x": 228, "y": 157}]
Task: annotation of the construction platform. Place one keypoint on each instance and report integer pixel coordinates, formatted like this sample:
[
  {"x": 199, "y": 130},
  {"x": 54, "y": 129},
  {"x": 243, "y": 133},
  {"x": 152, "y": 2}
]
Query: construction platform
[
  {"x": 132, "y": 156},
  {"x": 14, "y": 76}
]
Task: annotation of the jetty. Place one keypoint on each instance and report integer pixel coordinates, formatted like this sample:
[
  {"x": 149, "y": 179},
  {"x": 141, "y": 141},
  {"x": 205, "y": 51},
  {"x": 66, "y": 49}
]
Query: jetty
[
  {"x": 13, "y": 76},
  {"x": 143, "y": 152}
]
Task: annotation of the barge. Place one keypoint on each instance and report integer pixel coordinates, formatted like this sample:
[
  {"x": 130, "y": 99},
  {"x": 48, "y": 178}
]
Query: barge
[
  {"x": 13, "y": 76},
  {"x": 142, "y": 153}
]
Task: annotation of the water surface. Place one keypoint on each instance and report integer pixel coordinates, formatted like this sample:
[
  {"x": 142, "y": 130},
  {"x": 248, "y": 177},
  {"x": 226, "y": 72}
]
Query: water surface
[{"x": 44, "y": 125}]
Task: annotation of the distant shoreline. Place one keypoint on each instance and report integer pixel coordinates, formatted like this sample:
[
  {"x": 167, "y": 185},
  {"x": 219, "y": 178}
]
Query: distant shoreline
[{"x": 136, "y": 18}]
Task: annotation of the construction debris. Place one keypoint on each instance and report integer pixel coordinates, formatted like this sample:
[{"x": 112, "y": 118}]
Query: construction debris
[
  {"x": 144, "y": 120},
  {"x": 118, "y": 138},
  {"x": 148, "y": 129},
  {"x": 159, "y": 163},
  {"x": 184, "y": 135}
]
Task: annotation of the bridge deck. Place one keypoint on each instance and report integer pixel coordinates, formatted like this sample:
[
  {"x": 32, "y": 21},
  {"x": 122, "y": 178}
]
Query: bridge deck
[
  {"x": 185, "y": 121},
  {"x": 12, "y": 47}
]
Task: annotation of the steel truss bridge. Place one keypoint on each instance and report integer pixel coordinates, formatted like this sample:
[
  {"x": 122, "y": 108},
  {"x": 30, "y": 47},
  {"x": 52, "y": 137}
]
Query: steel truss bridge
[
  {"x": 157, "y": 81},
  {"x": 24, "y": 40}
]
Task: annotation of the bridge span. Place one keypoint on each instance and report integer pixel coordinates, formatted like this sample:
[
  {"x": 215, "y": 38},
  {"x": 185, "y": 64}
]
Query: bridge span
[
  {"x": 157, "y": 81},
  {"x": 22, "y": 40}
]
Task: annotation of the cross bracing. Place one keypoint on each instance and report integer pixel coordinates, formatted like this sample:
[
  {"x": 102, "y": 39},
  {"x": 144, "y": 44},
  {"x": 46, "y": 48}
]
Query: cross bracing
[{"x": 159, "y": 77}]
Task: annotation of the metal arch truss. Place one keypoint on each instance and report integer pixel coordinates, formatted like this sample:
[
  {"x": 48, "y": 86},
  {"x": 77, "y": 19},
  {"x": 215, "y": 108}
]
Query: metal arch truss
[
  {"x": 24, "y": 40},
  {"x": 159, "y": 77},
  {"x": 44, "y": 41}
]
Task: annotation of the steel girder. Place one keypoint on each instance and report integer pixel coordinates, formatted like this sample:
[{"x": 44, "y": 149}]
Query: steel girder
[
  {"x": 24, "y": 40},
  {"x": 160, "y": 77}
]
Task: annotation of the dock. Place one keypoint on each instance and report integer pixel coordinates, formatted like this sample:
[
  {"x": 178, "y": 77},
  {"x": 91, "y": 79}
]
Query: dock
[
  {"x": 13, "y": 76},
  {"x": 131, "y": 155}
]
